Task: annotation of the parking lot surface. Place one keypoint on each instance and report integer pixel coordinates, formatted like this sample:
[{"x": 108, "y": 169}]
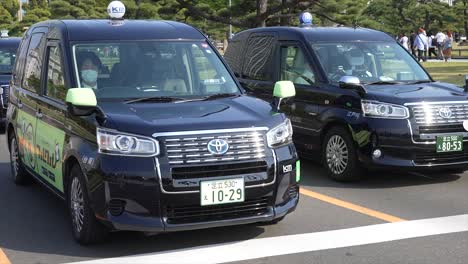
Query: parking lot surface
[{"x": 388, "y": 217}]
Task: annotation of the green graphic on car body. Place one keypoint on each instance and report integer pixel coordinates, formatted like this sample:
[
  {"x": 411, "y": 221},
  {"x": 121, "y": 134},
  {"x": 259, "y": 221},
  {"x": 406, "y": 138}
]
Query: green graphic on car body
[{"x": 42, "y": 148}]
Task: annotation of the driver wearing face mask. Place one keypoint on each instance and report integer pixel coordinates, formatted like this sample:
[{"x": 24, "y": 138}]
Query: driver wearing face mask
[{"x": 88, "y": 65}]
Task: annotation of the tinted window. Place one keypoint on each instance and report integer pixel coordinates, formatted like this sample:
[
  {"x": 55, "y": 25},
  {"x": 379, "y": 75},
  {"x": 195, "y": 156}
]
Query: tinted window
[
  {"x": 151, "y": 69},
  {"x": 259, "y": 50},
  {"x": 233, "y": 56},
  {"x": 55, "y": 82},
  {"x": 32, "y": 70},
  {"x": 294, "y": 66}
]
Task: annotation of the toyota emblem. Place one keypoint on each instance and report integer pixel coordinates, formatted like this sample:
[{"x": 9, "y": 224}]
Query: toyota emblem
[
  {"x": 445, "y": 112},
  {"x": 218, "y": 146}
]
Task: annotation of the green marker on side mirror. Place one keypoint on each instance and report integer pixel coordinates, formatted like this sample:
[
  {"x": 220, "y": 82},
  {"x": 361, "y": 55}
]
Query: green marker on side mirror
[{"x": 282, "y": 90}]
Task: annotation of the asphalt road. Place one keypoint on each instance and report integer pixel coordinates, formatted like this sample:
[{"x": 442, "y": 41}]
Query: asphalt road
[{"x": 34, "y": 226}]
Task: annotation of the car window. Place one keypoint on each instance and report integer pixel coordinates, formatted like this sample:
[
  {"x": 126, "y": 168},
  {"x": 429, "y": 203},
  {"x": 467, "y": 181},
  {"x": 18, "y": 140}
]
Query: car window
[
  {"x": 33, "y": 69},
  {"x": 7, "y": 59},
  {"x": 369, "y": 61},
  {"x": 55, "y": 80},
  {"x": 151, "y": 68},
  {"x": 294, "y": 66},
  {"x": 259, "y": 50}
]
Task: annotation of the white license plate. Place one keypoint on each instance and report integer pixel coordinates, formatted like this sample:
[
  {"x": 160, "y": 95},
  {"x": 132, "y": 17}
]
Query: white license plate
[{"x": 222, "y": 191}]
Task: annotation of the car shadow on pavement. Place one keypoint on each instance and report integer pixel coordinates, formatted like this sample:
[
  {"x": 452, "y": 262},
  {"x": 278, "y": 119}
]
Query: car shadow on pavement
[
  {"x": 314, "y": 175},
  {"x": 34, "y": 220}
]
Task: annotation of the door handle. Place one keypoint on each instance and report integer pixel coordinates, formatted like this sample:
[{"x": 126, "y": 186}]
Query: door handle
[
  {"x": 312, "y": 113},
  {"x": 39, "y": 114}
]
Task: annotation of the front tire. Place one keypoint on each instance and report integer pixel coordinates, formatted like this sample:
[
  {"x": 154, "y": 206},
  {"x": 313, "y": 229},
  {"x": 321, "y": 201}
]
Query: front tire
[
  {"x": 340, "y": 156},
  {"x": 86, "y": 228},
  {"x": 18, "y": 173}
]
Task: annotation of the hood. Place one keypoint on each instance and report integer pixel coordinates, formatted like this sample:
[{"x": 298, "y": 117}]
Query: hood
[
  {"x": 149, "y": 118},
  {"x": 428, "y": 92}
]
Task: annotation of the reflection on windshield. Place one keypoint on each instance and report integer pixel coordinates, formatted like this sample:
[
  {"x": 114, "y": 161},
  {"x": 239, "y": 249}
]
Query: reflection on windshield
[
  {"x": 7, "y": 59},
  {"x": 371, "y": 62},
  {"x": 151, "y": 69}
]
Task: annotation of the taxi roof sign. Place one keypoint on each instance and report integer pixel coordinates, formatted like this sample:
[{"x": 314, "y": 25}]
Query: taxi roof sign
[
  {"x": 116, "y": 10},
  {"x": 305, "y": 19}
]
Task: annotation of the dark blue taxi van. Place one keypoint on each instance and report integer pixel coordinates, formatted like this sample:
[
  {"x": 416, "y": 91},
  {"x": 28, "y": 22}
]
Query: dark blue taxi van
[
  {"x": 8, "y": 48},
  {"x": 362, "y": 100},
  {"x": 141, "y": 126}
]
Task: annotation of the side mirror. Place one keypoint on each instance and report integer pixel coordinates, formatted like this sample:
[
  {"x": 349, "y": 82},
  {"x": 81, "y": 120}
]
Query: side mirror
[
  {"x": 351, "y": 82},
  {"x": 282, "y": 90},
  {"x": 81, "y": 101}
]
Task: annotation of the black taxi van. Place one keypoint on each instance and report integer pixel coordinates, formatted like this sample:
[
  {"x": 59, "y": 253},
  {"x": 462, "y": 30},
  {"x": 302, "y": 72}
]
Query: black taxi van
[
  {"x": 8, "y": 48},
  {"x": 139, "y": 125},
  {"x": 362, "y": 100}
]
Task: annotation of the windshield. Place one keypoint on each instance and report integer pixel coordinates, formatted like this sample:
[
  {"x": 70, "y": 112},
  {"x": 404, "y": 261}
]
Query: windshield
[
  {"x": 7, "y": 59},
  {"x": 369, "y": 61},
  {"x": 145, "y": 69}
]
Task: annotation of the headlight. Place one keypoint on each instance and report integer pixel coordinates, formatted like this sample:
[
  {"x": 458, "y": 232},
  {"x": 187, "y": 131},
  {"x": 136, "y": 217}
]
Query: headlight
[
  {"x": 384, "y": 110},
  {"x": 117, "y": 143},
  {"x": 280, "y": 135}
]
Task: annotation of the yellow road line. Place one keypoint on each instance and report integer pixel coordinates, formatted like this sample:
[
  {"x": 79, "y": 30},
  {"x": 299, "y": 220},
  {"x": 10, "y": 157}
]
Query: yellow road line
[
  {"x": 3, "y": 258},
  {"x": 351, "y": 206}
]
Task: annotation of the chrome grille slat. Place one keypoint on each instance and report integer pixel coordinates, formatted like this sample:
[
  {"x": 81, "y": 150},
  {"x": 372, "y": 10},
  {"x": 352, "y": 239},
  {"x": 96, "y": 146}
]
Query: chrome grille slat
[
  {"x": 190, "y": 150},
  {"x": 429, "y": 113}
]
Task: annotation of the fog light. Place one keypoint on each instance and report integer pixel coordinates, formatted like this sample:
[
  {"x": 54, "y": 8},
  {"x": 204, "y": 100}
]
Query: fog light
[{"x": 377, "y": 153}]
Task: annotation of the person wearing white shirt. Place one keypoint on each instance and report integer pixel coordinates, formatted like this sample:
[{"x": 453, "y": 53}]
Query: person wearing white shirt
[
  {"x": 404, "y": 41},
  {"x": 420, "y": 43},
  {"x": 440, "y": 44}
]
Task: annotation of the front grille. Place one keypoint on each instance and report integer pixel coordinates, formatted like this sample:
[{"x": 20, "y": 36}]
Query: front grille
[
  {"x": 440, "y": 113},
  {"x": 440, "y": 129},
  {"x": 197, "y": 213},
  {"x": 219, "y": 170},
  {"x": 4, "y": 96},
  {"x": 293, "y": 191},
  {"x": 194, "y": 149}
]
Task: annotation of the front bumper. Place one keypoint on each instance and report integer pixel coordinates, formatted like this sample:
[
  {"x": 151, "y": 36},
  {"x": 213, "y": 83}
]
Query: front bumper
[
  {"x": 403, "y": 146},
  {"x": 137, "y": 194}
]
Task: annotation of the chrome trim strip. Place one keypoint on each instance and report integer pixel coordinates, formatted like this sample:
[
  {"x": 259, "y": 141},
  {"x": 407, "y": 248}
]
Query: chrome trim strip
[
  {"x": 213, "y": 131},
  {"x": 438, "y": 102},
  {"x": 444, "y": 164}
]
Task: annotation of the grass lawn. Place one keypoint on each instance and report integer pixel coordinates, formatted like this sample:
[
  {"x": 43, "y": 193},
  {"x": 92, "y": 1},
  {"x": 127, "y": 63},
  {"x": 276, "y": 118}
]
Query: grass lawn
[{"x": 451, "y": 72}]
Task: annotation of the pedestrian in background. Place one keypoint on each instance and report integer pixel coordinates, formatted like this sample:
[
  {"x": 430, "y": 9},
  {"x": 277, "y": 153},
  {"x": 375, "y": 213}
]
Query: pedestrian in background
[
  {"x": 420, "y": 44},
  {"x": 404, "y": 41},
  {"x": 412, "y": 39},
  {"x": 448, "y": 46},
  {"x": 440, "y": 36},
  {"x": 432, "y": 41}
]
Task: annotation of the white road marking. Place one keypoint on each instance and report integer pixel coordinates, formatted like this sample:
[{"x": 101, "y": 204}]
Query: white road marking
[{"x": 292, "y": 244}]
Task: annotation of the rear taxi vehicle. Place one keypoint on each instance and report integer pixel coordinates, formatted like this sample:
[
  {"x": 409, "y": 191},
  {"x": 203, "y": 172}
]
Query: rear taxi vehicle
[
  {"x": 139, "y": 125},
  {"x": 8, "y": 47},
  {"x": 362, "y": 100}
]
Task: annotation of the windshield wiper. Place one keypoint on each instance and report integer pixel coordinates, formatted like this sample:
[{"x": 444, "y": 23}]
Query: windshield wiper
[
  {"x": 219, "y": 95},
  {"x": 382, "y": 83},
  {"x": 156, "y": 99}
]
